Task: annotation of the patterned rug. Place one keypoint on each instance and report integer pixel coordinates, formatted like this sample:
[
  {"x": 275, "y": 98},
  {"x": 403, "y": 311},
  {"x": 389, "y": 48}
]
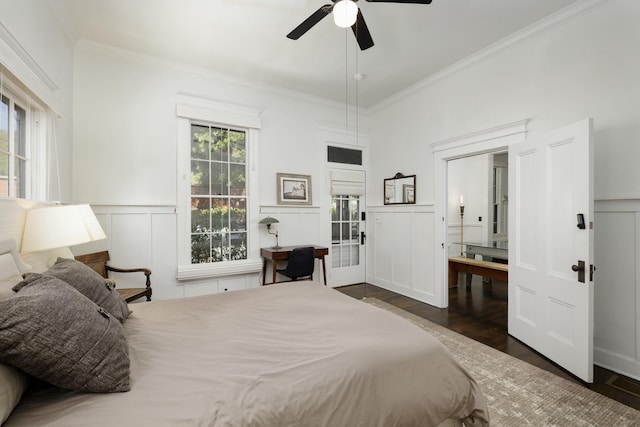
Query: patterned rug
[{"x": 520, "y": 394}]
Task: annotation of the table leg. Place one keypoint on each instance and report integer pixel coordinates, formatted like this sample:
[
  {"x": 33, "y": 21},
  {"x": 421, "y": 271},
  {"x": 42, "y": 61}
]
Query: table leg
[
  {"x": 264, "y": 271},
  {"x": 324, "y": 271}
]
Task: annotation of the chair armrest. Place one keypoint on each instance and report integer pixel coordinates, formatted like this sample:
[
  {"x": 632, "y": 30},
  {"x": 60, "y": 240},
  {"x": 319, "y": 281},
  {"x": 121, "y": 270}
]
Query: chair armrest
[{"x": 146, "y": 272}]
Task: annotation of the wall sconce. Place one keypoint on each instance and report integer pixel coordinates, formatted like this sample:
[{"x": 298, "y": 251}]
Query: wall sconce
[{"x": 268, "y": 221}]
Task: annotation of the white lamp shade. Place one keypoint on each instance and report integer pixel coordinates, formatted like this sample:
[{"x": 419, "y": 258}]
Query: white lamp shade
[
  {"x": 345, "y": 13},
  {"x": 60, "y": 226},
  {"x": 91, "y": 223}
]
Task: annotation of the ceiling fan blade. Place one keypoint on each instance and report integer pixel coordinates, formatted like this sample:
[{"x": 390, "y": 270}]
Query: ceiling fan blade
[
  {"x": 308, "y": 23},
  {"x": 401, "y": 1},
  {"x": 361, "y": 31}
]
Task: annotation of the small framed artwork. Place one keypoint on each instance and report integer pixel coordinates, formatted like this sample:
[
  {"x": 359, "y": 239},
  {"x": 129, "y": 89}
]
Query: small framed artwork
[{"x": 293, "y": 189}]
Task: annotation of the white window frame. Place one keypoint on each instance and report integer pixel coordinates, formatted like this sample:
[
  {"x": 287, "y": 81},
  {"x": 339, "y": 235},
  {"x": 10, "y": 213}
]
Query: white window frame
[
  {"x": 190, "y": 109},
  {"x": 35, "y": 140}
]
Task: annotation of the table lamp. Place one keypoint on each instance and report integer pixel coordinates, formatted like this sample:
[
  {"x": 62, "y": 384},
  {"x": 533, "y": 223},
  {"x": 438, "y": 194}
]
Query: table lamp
[
  {"x": 55, "y": 228},
  {"x": 268, "y": 221}
]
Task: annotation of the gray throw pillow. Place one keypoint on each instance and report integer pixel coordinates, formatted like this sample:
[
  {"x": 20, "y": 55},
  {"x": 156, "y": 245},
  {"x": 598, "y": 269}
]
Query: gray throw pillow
[
  {"x": 54, "y": 333},
  {"x": 90, "y": 284}
]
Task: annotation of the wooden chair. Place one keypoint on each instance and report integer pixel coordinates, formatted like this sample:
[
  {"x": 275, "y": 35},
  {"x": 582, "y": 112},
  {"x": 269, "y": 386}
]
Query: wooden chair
[{"x": 98, "y": 262}]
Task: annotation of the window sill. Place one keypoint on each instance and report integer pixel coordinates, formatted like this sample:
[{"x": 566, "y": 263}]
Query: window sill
[{"x": 232, "y": 268}]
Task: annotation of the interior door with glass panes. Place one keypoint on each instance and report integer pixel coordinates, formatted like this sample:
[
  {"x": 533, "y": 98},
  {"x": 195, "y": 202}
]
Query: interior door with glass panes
[{"x": 347, "y": 240}]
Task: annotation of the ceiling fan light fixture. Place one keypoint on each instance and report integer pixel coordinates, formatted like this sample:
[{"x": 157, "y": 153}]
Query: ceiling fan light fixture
[{"x": 345, "y": 13}]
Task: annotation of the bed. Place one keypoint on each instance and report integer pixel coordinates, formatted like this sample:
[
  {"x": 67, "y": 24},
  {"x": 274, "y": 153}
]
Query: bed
[{"x": 291, "y": 354}]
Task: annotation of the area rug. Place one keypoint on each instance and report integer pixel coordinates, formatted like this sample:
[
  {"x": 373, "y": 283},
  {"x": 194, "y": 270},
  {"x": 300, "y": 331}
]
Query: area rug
[{"x": 520, "y": 394}]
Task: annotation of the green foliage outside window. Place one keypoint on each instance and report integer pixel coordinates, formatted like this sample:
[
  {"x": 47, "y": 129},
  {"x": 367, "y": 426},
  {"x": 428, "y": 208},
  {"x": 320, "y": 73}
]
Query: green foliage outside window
[{"x": 218, "y": 194}]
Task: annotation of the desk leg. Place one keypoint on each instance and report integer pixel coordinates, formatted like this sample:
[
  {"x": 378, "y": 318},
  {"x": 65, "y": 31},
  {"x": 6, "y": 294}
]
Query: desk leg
[
  {"x": 275, "y": 266},
  {"x": 264, "y": 271},
  {"x": 324, "y": 271}
]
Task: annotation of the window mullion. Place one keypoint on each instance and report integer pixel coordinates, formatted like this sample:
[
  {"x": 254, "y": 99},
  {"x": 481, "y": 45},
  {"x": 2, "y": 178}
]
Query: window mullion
[{"x": 12, "y": 153}]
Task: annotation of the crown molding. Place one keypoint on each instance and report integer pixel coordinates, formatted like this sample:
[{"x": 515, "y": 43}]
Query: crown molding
[
  {"x": 17, "y": 60},
  {"x": 555, "y": 20},
  {"x": 142, "y": 58}
]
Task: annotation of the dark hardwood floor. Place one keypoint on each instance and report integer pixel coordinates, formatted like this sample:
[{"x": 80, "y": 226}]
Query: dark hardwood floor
[{"x": 480, "y": 313}]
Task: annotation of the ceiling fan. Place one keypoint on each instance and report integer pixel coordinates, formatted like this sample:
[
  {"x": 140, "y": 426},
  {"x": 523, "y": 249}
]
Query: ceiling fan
[{"x": 345, "y": 14}]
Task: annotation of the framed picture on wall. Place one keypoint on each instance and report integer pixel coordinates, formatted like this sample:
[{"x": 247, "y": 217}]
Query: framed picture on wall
[{"x": 293, "y": 189}]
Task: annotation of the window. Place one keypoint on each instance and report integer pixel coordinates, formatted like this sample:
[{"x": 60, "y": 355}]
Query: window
[
  {"x": 344, "y": 155},
  {"x": 345, "y": 230},
  {"x": 218, "y": 209},
  {"x": 218, "y": 194},
  {"x": 13, "y": 149},
  {"x": 20, "y": 142}
]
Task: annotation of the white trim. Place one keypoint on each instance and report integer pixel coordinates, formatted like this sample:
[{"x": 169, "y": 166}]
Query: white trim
[
  {"x": 17, "y": 60},
  {"x": 201, "y": 271},
  {"x": 133, "y": 209},
  {"x": 488, "y": 140},
  {"x": 188, "y": 109},
  {"x": 474, "y": 138},
  {"x": 194, "y": 108}
]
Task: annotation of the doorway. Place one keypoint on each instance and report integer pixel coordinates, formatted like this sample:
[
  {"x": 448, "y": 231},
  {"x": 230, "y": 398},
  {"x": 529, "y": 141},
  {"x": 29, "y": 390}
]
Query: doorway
[
  {"x": 490, "y": 141},
  {"x": 477, "y": 206}
]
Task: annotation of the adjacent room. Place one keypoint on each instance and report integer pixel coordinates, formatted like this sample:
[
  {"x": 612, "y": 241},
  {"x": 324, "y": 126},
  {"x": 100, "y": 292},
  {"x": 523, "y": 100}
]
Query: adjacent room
[{"x": 353, "y": 187}]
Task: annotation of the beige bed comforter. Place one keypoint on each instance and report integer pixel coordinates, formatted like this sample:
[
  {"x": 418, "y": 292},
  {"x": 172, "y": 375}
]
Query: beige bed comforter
[{"x": 295, "y": 354}]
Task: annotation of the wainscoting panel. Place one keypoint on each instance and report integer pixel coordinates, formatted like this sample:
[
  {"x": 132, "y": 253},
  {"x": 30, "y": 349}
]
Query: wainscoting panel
[
  {"x": 617, "y": 285},
  {"x": 380, "y": 250},
  {"x": 401, "y": 238},
  {"x": 145, "y": 236},
  {"x": 298, "y": 226},
  {"x": 400, "y": 250},
  {"x": 403, "y": 249}
]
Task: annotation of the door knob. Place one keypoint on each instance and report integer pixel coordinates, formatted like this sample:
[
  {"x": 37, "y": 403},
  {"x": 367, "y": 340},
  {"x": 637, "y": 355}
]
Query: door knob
[{"x": 580, "y": 270}]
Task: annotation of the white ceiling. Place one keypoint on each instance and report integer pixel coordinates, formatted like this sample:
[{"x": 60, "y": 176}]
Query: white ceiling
[{"x": 247, "y": 38}]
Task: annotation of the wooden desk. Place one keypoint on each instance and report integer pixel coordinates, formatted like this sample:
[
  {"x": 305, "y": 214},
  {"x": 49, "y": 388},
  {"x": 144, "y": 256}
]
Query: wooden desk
[{"x": 283, "y": 253}]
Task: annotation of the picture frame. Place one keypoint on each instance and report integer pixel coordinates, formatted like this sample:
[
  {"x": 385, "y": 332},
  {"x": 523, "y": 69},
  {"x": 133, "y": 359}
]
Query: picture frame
[{"x": 293, "y": 189}]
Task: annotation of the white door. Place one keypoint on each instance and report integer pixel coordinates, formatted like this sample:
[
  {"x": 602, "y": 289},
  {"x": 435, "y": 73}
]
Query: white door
[
  {"x": 347, "y": 242},
  {"x": 551, "y": 236}
]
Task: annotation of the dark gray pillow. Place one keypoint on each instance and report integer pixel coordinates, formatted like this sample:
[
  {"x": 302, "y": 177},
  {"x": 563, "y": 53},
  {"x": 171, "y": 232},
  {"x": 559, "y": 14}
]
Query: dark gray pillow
[
  {"x": 54, "y": 333},
  {"x": 90, "y": 284}
]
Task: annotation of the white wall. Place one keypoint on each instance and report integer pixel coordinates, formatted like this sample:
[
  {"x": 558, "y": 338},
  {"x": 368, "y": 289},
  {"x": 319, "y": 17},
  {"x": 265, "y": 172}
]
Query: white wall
[
  {"x": 124, "y": 133},
  {"x": 468, "y": 177},
  {"x": 35, "y": 47},
  {"x": 125, "y": 149},
  {"x": 582, "y": 68}
]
